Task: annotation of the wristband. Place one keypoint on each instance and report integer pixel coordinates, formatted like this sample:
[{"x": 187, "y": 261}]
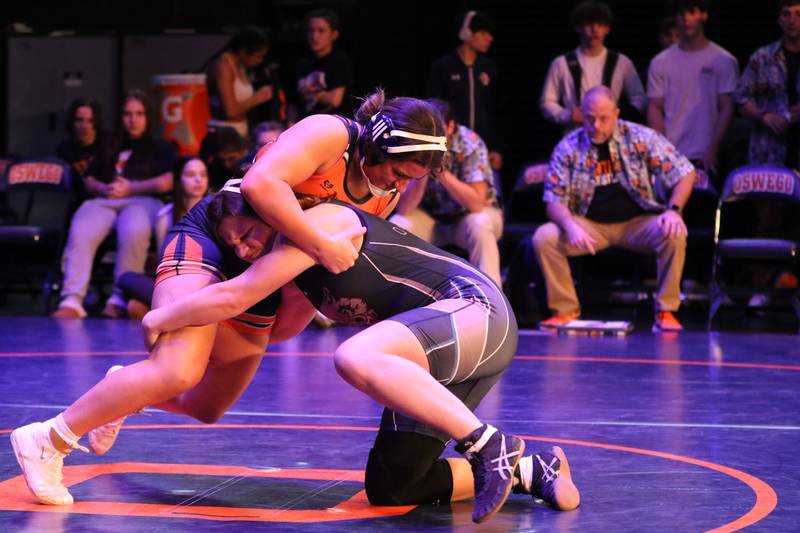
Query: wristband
[{"x": 675, "y": 207}]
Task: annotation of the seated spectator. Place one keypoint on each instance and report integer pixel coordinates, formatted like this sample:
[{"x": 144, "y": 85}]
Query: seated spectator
[
  {"x": 230, "y": 92},
  {"x": 324, "y": 78},
  {"x": 466, "y": 78},
  {"x": 266, "y": 132},
  {"x": 459, "y": 205},
  {"x": 190, "y": 187},
  {"x": 572, "y": 74},
  {"x": 124, "y": 183},
  {"x": 222, "y": 150},
  {"x": 601, "y": 191},
  {"x": 85, "y": 137}
]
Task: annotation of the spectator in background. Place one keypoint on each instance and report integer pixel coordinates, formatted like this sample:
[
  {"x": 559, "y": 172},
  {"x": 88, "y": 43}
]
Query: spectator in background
[
  {"x": 266, "y": 132},
  {"x": 124, "y": 182},
  {"x": 268, "y": 74},
  {"x": 230, "y": 92},
  {"x": 222, "y": 150},
  {"x": 768, "y": 93},
  {"x": 668, "y": 32},
  {"x": 690, "y": 88},
  {"x": 591, "y": 64},
  {"x": 601, "y": 191},
  {"x": 467, "y": 80},
  {"x": 459, "y": 205},
  {"x": 325, "y": 77},
  {"x": 85, "y": 138},
  {"x": 190, "y": 187}
]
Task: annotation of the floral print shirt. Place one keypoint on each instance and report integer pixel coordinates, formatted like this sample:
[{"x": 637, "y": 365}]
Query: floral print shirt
[
  {"x": 643, "y": 161},
  {"x": 468, "y": 158},
  {"x": 763, "y": 83}
]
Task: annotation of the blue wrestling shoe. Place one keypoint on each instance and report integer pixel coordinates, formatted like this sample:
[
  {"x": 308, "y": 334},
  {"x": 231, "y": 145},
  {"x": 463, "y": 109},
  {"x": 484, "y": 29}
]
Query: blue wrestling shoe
[
  {"x": 546, "y": 476},
  {"x": 493, "y": 457}
]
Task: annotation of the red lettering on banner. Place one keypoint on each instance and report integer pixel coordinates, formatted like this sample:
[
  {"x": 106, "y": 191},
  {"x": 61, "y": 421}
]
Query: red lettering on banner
[
  {"x": 775, "y": 182},
  {"x": 35, "y": 173}
]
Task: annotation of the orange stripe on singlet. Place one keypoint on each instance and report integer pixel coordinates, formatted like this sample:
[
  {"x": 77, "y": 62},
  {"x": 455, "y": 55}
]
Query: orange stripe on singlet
[{"x": 192, "y": 249}]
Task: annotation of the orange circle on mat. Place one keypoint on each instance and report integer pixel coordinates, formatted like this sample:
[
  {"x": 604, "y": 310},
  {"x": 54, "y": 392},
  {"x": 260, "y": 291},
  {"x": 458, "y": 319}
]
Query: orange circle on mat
[{"x": 355, "y": 507}]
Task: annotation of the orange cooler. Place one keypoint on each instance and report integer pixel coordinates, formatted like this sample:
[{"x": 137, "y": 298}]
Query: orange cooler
[{"x": 182, "y": 110}]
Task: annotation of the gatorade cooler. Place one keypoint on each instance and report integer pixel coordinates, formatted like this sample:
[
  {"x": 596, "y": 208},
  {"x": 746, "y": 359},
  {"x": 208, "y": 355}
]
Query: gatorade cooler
[{"x": 182, "y": 110}]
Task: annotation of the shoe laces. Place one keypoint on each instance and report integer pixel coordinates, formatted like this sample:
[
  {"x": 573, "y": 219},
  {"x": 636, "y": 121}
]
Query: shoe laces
[
  {"x": 54, "y": 460},
  {"x": 503, "y": 466},
  {"x": 549, "y": 474}
]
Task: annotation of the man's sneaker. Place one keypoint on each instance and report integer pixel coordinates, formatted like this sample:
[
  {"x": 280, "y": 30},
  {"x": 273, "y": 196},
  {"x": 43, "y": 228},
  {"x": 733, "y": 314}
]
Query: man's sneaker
[
  {"x": 41, "y": 463},
  {"x": 546, "y": 476},
  {"x": 493, "y": 457},
  {"x": 102, "y": 438},
  {"x": 559, "y": 320},
  {"x": 666, "y": 321}
]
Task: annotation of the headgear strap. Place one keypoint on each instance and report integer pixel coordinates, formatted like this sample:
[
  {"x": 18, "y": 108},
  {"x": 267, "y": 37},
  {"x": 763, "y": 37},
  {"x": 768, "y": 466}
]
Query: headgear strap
[
  {"x": 232, "y": 185},
  {"x": 382, "y": 132}
]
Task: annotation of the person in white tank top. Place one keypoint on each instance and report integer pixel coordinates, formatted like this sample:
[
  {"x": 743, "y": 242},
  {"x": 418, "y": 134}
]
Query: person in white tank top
[{"x": 230, "y": 93}]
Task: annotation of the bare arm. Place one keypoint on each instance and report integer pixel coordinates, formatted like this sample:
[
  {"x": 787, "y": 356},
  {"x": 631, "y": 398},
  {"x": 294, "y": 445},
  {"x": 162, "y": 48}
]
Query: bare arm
[
  {"x": 560, "y": 214},
  {"x": 332, "y": 98},
  {"x": 412, "y": 196},
  {"x": 294, "y": 314},
  {"x": 670, "y": 222},
  {"x": 122, "y": 187},
  {"x": 775, "y": 122},
  {"x": 725, "y": 107},
  {"x": 235, "y": 110},
  {"x": 313, "y": 144},
  {"x": 577, "y": 236},
  {"x": 471, "y": 196},
  {"x": 95, "y": 186},
  {"x": 160, "y": 184},
  {"x": 230, "y": 298},
  {"x": 221, "y": 301},
  {"x": 655, "y": 114}
]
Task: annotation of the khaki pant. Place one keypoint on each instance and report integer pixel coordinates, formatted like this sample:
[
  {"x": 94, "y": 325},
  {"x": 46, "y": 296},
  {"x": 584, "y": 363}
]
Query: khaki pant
[
  {"x": 641, "y": 234},
  {"x": 477, "y": 233},
  {"x": 133, "y": 218}
]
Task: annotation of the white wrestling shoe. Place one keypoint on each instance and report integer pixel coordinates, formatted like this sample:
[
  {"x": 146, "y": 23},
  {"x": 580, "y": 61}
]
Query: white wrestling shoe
[
  {"x": 102, "y": 438},
  {"x": 41, "y": 463}
]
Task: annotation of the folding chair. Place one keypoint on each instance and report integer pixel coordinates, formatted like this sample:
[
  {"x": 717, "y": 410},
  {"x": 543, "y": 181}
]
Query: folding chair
[
  {"x": 747, "y": 184},
  {"x": 40, "y": 198}
]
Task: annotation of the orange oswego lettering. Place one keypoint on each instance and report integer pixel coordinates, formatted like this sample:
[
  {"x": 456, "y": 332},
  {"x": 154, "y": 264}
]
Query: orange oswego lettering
[
  {"x": 764, "y": 181},
  {"x": 35, "y": 173}
]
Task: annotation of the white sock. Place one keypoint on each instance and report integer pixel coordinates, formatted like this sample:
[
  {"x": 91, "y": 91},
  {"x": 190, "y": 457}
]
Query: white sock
[
  {"x": 63, "y": 430},
  {"x": 526, "y": 472}
]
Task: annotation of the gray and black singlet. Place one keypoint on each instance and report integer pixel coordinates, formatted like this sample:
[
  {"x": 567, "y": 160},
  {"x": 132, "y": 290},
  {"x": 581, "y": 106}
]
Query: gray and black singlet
[{"x": 461, "y": 318}]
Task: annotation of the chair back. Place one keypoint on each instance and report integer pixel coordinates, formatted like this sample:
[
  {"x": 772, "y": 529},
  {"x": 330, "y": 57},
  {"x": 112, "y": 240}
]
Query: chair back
[
  {"x": 39, "y": 193},
  {"x": 754, "y": 182}
]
